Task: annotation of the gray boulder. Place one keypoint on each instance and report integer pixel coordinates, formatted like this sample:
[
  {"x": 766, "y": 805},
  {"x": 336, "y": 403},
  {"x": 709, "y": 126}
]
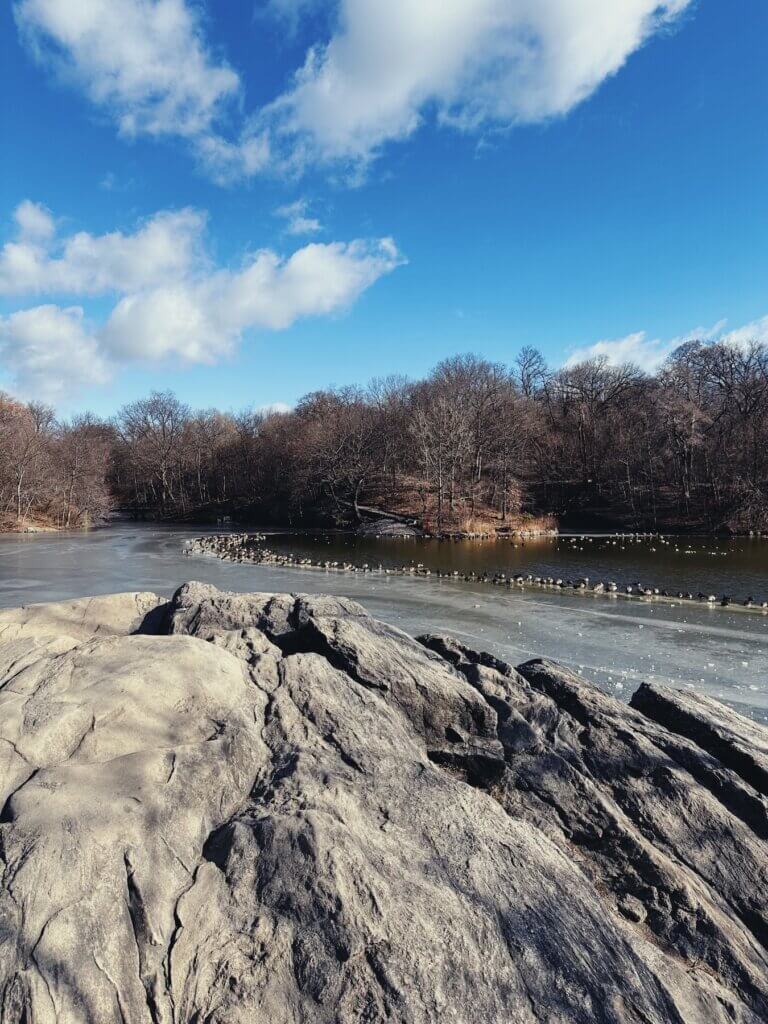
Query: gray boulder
[
  {"x": 281, "y": 810},
  {"x": 109, "y": 615}
]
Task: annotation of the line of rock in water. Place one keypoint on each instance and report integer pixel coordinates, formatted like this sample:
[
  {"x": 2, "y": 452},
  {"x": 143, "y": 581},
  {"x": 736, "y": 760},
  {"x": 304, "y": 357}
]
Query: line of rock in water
[{"x": 247, "y": 548}]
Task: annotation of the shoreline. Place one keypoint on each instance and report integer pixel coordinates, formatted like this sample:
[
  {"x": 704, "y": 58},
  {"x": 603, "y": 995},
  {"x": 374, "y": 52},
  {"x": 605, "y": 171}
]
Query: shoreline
[
  {"x": 30, "y": 526},
  {"x": 243, "y": 548},
  {"x": 510, "y": 534}
]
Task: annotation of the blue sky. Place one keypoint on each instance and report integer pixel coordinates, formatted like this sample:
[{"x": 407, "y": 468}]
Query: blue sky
[{"x": 189, "y": 200}]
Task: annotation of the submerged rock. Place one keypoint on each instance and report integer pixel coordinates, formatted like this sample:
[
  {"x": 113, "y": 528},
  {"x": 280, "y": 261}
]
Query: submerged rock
[{"x": 274, "y": 808}]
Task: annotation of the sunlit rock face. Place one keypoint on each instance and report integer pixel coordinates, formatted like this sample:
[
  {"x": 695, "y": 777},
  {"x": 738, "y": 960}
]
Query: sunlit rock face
[{"x": 274, "y": 808}]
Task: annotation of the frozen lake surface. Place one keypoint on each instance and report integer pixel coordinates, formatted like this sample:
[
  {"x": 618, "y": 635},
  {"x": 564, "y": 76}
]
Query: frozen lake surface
[{"x": 615, "y": 643}]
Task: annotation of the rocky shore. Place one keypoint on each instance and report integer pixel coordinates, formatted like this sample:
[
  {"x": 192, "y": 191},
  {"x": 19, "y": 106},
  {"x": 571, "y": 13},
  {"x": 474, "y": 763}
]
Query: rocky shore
[
  {"x": 521, "y": 528},
  {"x": 250, "y": 548},
  {"x": 238, "y": 809}
]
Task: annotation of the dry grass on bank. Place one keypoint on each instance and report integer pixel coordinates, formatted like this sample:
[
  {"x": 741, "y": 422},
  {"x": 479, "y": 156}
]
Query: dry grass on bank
[
  {"x": 33, "y": 524},
  {"x": 413, "y": 501}
]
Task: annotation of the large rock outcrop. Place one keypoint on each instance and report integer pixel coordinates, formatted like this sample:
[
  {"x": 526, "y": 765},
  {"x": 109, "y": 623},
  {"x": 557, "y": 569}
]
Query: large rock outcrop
[
  {"x": 237, "y": 809},
  {"x": 83, "y": 618}
]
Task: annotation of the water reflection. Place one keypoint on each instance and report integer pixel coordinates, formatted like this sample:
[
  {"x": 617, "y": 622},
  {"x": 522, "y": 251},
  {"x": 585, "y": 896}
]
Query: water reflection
[{"x": 738, "y": 566}]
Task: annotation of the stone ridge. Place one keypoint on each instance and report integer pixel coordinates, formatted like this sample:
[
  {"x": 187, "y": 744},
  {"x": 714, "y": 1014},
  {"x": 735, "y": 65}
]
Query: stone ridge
[{"x": 244, "y": 808}]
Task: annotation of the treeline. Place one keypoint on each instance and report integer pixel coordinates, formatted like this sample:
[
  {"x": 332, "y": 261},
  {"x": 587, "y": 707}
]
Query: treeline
[
  {"x": 51, "y": 472},
  {"x": 474, "y": 446}
]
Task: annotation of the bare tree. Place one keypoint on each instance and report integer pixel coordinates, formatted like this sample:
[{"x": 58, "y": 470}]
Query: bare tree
[
  {"x": 152, "y": 430},
  {"x": 475, "y": 442},
  {"x": 531, "y": 371},
  {"x": 82, "y": 461}
]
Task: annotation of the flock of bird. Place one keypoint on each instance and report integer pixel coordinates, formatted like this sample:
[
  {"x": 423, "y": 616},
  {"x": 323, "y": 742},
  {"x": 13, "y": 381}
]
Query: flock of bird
[{"x": 249, "y": 548}]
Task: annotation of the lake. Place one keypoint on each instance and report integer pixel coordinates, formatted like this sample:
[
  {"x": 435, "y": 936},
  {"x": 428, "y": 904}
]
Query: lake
[
  {"x": 617, "y": 644},
  {"x": 737, "y": 567}
]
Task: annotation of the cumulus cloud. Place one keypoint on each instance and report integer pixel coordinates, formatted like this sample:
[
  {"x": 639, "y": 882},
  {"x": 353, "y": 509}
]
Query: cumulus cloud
[
  {"x": 649, "y": 353},
  {"x": 379, "y": 72},
  {"x": 49, "y": 352},
  {"x": 298, "y": 222},
  {"x": 227, "y": 161},
  {"x": 171, "y": 302},
  {"x": 757, "y": 330},
  {"x": 477, "y": 63},
  {"x": 34, "y": 222},
  {"x": 167, "y": 245},
  {"x": 203, "y": 319},
  {"x": 638, "y": 348},
  {"x": 147, "y": 61}
]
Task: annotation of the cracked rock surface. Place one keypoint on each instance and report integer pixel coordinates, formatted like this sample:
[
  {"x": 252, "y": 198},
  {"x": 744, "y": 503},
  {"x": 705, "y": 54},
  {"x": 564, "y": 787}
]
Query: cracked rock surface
[{"x": 236, "y": 809}]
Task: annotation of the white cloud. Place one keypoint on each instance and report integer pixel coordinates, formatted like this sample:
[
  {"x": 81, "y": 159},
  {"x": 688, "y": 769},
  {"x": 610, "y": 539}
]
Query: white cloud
[
  {"x": 297, "y": 221},
  {"x": 290, "y": 12},
  {"x": 227, "y": 161},
  {"x": 473, "y": 64},
  {"x": 172, "y": 303},
  {"x": 168, "y": 245},
  {"x": 650, "y": 353},
  {"x": 111, "y": 182},
  {"x": 275, "y": 409},
  {"x": 35, "y": 224},
  {"x": 477, "y": 63},
  {"x": 742, "y": 336},
  {"x": 638, "y": 348},
  {"x": 49, "y": 352},
  {"x": 203, "y": 320},
  {"x": 145, "y": 61}
]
